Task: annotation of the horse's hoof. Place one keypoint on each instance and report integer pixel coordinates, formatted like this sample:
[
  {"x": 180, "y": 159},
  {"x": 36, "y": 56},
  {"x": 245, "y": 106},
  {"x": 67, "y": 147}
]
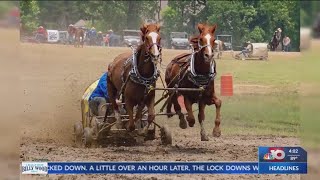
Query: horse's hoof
[
  {"x": 119, "y": 125},
  {"x": 191, "y": 122},
  {"x": 216, "y": 132},
  {"x": 183, "y": 122},
  {"x": 169, "y": 115},
  {"x": 143, "y": 132},
  {"x": 130, "y": 127},
  {"x": 204, "y": 137}
]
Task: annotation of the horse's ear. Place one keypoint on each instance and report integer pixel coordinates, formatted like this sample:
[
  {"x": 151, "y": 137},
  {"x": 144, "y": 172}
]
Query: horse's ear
[
  {"x": 213, "y": 28},
  {"x": 143, "y": 29},
  {"x": 200, "y": 27},
  {"x": 158, "y": 27}
]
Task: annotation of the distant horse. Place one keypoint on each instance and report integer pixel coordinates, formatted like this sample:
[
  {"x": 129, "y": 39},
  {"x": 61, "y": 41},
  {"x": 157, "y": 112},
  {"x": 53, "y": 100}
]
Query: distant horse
[
  {"x": 134, "y": 76},
  {"x": 196, "y": 70},
  {"x": 79, "y": 35},
  {"x": 275, "y": 41}
]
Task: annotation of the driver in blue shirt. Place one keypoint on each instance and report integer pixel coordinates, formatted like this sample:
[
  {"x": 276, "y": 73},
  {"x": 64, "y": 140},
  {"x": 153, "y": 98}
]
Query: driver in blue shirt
[{"x": 99, "y": 97}]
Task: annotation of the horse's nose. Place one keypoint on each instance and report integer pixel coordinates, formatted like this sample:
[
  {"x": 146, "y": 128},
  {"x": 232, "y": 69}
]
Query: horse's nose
[
  {"x": 156, "y": 56},
  {"x": 207, "y": 56}
]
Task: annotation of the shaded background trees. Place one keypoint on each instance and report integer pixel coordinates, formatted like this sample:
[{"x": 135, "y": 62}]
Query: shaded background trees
[{"x": 244, "y": 20}]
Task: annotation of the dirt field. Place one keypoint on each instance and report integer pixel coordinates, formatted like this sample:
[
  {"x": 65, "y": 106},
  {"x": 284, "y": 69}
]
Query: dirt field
[{"x": 55, "y": 77}]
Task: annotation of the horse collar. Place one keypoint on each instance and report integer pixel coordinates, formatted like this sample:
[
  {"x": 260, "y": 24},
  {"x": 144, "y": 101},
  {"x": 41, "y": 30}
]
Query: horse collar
[
  {"x": 201, "y": 80},
  {"x": 137, "y": 78}
]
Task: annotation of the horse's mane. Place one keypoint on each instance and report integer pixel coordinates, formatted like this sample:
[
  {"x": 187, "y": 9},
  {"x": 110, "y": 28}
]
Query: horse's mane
[{"x": 194, "y": 41}]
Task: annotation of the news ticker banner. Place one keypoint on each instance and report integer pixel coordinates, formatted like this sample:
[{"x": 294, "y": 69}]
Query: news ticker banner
[{"x": 272, "y": 160}]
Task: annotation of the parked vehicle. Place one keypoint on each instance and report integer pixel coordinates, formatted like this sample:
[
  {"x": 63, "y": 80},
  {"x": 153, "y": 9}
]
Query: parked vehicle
[
  {"x": 131, "y": 37},
  {"x": 179, "y": 40},
  {"x": 227, "y": 40}
]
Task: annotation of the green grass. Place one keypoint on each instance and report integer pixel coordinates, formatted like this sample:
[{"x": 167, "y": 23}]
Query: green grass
[
  {"x": 270, "y": 114},
  {"x": 310, "y": 102},
  {"x": 278, "y": 73}
]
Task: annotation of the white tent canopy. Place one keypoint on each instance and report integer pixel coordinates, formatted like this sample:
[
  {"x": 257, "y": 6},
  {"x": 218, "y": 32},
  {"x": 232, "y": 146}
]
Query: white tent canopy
[{"x": 80, "y": 23}]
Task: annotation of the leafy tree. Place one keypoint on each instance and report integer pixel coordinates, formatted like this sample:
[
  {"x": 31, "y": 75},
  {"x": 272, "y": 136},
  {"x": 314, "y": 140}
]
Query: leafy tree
[
  {"x": 170, "y": 16},
  {"x": 29, "y": 15},
  {"x": 232, "y": 18},
  {"x": 256, "y": 35}
]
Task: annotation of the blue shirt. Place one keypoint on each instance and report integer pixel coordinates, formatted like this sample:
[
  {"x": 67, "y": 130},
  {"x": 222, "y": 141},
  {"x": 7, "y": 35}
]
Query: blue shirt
[
  {"x": 92, "y": 33},
  {"x": 101, "y": 89}
]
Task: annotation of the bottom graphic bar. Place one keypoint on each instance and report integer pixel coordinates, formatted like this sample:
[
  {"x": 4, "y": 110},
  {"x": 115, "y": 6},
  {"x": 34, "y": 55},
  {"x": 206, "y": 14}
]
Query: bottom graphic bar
[{"x": 162, "y": 168}]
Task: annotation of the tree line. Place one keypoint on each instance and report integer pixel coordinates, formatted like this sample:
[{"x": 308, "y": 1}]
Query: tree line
[
  {"x": 308, "y": 12},
  {"x": 245, "y": 20}
]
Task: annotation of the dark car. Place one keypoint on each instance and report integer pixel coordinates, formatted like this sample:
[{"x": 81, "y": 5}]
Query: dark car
[
  {"x": 179, "y": 40},
  {"x": 131, "y": 37}
]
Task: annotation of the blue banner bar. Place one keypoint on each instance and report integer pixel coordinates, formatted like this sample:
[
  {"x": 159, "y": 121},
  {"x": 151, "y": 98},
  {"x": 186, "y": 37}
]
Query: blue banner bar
[
  {"x": 153, "y": 168},
  {"x": 283, "y": 168}
]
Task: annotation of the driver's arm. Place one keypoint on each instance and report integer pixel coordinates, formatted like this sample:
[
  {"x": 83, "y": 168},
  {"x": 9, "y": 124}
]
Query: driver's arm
[{"x": 248, "y": 47}]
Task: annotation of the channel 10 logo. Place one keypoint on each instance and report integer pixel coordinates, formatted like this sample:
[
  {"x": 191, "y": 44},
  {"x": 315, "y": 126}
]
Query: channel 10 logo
[{"x": 274, "y": 154}]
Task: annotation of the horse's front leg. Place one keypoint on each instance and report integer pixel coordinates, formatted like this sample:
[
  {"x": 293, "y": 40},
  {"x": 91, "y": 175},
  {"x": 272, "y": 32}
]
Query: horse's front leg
[
  {"x": 112, "y": 91},
  {"x": 129, "y": 107},
  {"x": 151, "y": 111},
  {"x": 201, "y": 117},
  {"x": 216, "y": 130},
  {"x": 138, "y": 115},
  {"x": 183, "y": 123},
  {"x": 190, "y": 117}
]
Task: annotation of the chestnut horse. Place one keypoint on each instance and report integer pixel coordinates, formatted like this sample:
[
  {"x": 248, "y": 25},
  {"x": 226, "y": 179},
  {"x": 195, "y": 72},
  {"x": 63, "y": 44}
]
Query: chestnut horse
[
  {"x": 78, "y": 33},
  {"x": 196, "y": 70},
  {"x": 133, "y": 75}
]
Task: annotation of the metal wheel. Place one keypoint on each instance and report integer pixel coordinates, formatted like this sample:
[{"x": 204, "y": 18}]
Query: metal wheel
[
  {"x": 78, "y": 132},
  {"x": 87, "y": 137},
  {"x": 166, "y": 137}
]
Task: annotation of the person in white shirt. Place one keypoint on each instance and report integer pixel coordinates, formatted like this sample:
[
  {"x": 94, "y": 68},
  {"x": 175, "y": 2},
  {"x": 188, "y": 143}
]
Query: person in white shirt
[{"x": 286, "y": 44}]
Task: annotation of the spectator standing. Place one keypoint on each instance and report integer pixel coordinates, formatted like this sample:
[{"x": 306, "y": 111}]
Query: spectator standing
[
  {"x": 100, "y": 39},
  {"x": 286, "y": 43}
]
